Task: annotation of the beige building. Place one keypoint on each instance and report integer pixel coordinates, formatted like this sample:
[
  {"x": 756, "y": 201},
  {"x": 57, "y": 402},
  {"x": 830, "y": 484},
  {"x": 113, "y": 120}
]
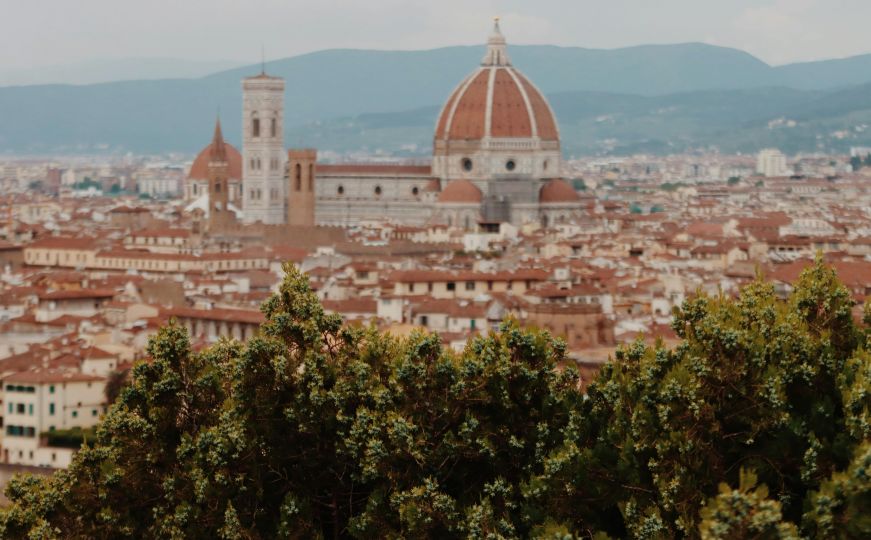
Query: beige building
[{"x": 41, "y": 401}]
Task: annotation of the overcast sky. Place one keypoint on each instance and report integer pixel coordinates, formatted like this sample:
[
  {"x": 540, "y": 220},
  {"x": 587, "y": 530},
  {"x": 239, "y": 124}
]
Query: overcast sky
[{"x": 37, "y": 33}]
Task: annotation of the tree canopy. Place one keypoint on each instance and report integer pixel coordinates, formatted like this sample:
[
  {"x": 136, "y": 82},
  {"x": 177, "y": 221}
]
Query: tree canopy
[{"x": 756, "y": 425}]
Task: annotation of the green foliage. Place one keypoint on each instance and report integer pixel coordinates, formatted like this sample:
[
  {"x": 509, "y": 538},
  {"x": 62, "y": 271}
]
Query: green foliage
[
  {"x": 313, "y": 429},
  {"x": 841, "y": 508},
  {"x": 69, "y": 438},
  {"x": 746, "y": 512},
  {"x": 87, "y": 183},
  {"x": 733, "y": 180},
  {"x": 779, "y": 387},
  {"x": 115, "y": 382}
]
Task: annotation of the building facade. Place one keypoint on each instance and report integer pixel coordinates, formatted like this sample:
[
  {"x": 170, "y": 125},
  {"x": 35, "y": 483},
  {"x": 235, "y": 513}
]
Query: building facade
[
  {"x": 496, "y": 159},
  {"x": 263, "y": 153}
]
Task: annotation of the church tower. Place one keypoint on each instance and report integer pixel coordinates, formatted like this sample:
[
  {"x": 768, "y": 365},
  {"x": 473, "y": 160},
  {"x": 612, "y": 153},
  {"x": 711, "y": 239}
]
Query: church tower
[
  {"x": 263, "y": 156},
  {"x": 301, "y": 187},
  {"x": 220, "y": 215}
]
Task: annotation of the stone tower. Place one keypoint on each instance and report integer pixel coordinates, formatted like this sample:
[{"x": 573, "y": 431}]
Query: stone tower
[
  {"x": 301, "y": 187},
  {"x": 263, "y": 157},
  {"x": 220, "y": 215}
]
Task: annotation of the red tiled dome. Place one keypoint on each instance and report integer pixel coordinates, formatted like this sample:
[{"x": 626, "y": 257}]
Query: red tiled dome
[
  {"x": 200, "y": 168},
  {"x": 557, "y": 191},
  {"x": 496, "y": 100},
  {"x": 461, "y": 191}
]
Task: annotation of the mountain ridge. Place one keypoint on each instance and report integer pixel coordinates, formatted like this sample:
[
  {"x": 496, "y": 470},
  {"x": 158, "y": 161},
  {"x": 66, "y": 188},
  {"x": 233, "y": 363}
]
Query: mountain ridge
[{"x": 159, "y": 115}]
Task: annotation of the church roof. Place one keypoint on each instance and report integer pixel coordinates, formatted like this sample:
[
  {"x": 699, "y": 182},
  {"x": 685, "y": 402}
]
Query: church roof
[
  {"x": 496, "y": 100},
  {"x": 200, "y": 168},
  {"x": 460, "y": 191},
  {"x": 557, "y": 191}
]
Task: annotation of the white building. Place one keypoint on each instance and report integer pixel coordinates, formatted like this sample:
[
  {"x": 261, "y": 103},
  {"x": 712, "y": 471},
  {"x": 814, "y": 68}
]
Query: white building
[
  {"x": 42, "y": 401},
  {"x": 263, "y": 153},
  {"x": 772, "y": 162}
]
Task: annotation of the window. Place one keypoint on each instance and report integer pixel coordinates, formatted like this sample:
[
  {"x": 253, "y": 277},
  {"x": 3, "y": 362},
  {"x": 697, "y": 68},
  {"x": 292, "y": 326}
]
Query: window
[
  {"x": 490, "y": 285},
  {"x": 311, "y": 177},
  {"x": 30, "y": 409},
  {"x": 411, "y": 287},
  {"x": 510, "y": 165},
  {"x": 75, "y": 414},
  {"x": 544, "y": 165},
  {"x": 470, "y": 285},
  {"x": 255, "y": 125},
  {"x": 273, "y": 128},
  {"x": 217, "y": 187},
  {"x": 415, "y": 191},
  {"x": 19, "y": 408},
  {"x": 297, "y": 177},
  {"x": 51, "y": 409},
  {"x": 93, "y": 412},
  {"x": 10, "y": 407},
  {"x": 467, "y": 164},
  {"x": 377, "y": 190},
  {"x": 451, "y": 286},
  {"x": 340, "y": 190}
]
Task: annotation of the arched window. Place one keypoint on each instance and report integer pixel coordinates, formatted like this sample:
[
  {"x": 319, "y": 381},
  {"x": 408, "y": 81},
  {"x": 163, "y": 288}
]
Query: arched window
[
  {"x": 311, "y": 177},
  {"x": 218, "y": 186},
  {"x": 377, "y": 190},
  {"x": 255, "y": 125},
  {"x": 273, "y": 127},
  {"x": 340, "y": 190},
  {"x": 194, "y": 189},
  {"x": 297, "y": 177},
  {"x": 415, "y": 191}
]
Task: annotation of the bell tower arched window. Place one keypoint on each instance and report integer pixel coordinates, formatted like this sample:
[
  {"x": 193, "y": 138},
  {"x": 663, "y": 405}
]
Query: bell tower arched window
[
  {"x": 297, "y": 175},
  {"x": 273, "y": 127},
  {"x": 255, "y": 125}
]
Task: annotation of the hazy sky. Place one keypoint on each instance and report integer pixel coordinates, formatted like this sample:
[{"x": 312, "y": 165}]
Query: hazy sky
[{"x": 51, "y": 32}]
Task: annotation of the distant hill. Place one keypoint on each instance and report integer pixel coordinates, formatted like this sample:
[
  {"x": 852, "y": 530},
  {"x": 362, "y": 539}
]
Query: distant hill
[
  {"x": 655, "y": 96},
  {"x": 594, "y": 123},
  {"x": 99, "y": 71}
]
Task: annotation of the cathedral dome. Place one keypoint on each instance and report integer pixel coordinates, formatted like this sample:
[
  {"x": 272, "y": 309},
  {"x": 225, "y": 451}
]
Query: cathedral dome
[
  {"x": 557, "y": 191},
  {"x": 496, "y": 101},
  {"x": 460, "y": 191},
  {"x": 200, "y": 168}
]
